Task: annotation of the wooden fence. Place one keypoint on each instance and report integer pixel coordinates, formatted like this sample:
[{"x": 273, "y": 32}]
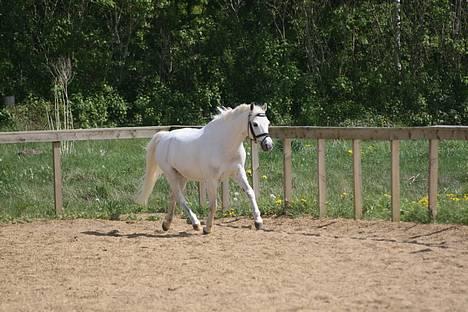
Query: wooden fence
[{"x": 286, "y": 134}]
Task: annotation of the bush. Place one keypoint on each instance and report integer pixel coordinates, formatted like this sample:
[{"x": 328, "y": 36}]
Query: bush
[
  {"x": 158, "y": 104},
  {"x": 31, "y": 114},
  {"x": 104, "y": 109},
  {"x": 5, "y": 119}
]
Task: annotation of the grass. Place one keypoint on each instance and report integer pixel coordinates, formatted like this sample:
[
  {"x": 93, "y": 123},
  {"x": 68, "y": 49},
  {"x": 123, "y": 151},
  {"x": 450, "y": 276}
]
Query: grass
[{"x": 101, "y": 177}]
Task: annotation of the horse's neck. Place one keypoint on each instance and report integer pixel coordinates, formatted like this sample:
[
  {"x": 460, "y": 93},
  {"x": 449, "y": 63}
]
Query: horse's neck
[{"x": 230, "y": 133}]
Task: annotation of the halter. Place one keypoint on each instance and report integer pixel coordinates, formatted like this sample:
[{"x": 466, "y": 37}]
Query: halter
[{"x": 250, "y": 129}]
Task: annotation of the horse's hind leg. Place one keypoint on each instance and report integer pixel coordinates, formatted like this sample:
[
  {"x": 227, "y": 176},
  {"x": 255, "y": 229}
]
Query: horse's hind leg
[
  {"x": 172, "y": 205},
  {"x": 170, "y": 213},
  {"x": 192, "y": 216},
  {"x": 212, "y": 187},
  {"x": 177, "y": 183}
]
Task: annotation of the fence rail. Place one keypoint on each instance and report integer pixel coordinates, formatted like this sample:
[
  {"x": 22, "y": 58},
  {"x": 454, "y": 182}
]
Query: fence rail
[
  {"x": 321, "y": 134},
  {"x": 420, "y": 133}
]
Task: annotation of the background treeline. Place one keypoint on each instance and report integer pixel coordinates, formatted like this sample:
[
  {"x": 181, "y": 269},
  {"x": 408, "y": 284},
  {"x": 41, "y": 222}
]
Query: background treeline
[{"x": 321, "y": 62}]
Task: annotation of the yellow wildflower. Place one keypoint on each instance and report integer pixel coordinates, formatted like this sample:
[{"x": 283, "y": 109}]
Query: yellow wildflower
[
  {"x": 230, "y": 213},
  {"x": 264, "y": 177},
  {"x": 350, "y": 152},
  {"x": 456, "y": 197},
  {"x": 424, "y": 201},
  {"x": 249, "y": 172}
]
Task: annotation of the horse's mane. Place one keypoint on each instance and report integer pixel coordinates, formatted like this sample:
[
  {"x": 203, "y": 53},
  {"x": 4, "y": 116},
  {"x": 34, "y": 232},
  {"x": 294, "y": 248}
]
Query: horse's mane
[{"x": 228, "y": 112}]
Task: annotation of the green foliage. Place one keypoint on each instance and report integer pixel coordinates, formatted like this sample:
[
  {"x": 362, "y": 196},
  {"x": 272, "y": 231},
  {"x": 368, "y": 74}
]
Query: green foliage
[
  {"x": 5, "y": 119},
  {"x": 315, "y": 62},
  {"x": 104, "y": 109},
  {"x": 32, "y": 114}
]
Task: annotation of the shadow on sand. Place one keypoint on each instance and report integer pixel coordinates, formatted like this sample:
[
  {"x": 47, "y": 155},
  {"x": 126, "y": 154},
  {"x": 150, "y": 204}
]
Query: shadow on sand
[{"x": 116, "y": 233}]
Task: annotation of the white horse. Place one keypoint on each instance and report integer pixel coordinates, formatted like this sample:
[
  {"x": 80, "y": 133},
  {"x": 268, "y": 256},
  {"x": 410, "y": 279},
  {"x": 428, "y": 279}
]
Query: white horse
[{"x": 210, "y": 154}]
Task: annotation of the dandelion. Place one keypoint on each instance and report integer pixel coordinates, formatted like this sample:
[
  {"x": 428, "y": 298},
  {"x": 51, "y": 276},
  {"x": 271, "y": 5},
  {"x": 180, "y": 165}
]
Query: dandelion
[
  {"x": 456, "y": 197},
  {"x": 424, "y": 201},
  {"x": 230, "y": 213},
  {"x": 249, "y": 172},
  {"x": 344, "y": 195},
  {"x": 279, "y": 202},
  {"x": 350, "y": 152},
  {"x": 264, "y": 177}
]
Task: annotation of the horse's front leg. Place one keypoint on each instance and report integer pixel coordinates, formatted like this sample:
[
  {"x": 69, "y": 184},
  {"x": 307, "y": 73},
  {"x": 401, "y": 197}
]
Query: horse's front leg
[
  {"x": 241, "y": 178},
  {"x": 211, "y": 188}
]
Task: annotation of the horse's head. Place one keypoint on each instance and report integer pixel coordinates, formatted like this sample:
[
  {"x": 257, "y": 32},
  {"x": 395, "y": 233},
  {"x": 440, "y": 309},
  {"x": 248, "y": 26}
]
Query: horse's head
[{"x": 258, "y": 127}]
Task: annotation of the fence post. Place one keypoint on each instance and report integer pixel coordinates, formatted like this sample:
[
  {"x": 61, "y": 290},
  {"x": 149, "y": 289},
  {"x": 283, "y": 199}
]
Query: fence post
[
  {"x": 357, "y": 177},
  {"x": 395, "y": 147},
  {"x": 287, "y": 173},
  {"x": 433, "y": 177},
  {"x": 58, "y": 197},
  {"x": 321, "y": 178},
  {"x": 255, "y": 163}
]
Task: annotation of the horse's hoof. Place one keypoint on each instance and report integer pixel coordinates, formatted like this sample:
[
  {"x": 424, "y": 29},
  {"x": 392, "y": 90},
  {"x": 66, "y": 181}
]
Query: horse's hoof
[
  {"x": 206, "y": 231},
  {"x": 259, "y": 225},
  {"x": 166, "y": 225},
  {"x": 196, "y": 227}
]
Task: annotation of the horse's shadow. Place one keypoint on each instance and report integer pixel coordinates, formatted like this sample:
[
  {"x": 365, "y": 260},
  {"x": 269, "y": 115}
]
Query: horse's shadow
[{"x": 116, "y": 233}]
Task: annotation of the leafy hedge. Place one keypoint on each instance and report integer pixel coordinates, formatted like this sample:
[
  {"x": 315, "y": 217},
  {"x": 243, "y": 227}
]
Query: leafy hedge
[{"x": 315, "y": 62}]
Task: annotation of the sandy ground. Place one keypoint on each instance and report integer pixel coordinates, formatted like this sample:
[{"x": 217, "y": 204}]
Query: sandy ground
[{"x": 294, "y": 265}]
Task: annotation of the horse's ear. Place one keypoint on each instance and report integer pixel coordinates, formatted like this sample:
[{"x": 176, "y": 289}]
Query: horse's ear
[
  {"x": 252, "y": 106},
  {"x": 265, "y": 107}
]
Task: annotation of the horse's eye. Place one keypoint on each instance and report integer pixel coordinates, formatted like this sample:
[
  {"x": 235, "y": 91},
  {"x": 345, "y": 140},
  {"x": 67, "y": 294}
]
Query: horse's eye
[{"x": 255, "y": 124}]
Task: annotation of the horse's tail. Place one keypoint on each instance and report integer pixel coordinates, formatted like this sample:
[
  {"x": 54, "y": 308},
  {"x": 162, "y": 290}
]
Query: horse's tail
[{"x": 152, "y": 172}]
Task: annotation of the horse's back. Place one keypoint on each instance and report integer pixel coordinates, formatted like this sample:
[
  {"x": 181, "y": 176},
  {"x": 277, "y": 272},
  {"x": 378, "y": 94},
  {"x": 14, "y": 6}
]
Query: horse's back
[
  {"x": 180, "y": 149},
  {"x": 185, "y": 135}
]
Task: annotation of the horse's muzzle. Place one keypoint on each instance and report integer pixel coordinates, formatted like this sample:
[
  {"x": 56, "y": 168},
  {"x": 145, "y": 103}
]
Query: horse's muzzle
[{"x": 266, "y": 144}]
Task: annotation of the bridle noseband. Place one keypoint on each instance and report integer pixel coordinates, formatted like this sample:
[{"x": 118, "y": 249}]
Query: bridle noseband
[{"x": 250, "y": 129}]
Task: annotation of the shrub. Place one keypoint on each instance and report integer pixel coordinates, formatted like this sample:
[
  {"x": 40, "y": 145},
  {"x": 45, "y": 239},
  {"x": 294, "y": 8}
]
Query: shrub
[
  {"x": 104, "y": 109},
  {"x": 5, "y": 119},
  {"x": 31, "y": 114}
]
